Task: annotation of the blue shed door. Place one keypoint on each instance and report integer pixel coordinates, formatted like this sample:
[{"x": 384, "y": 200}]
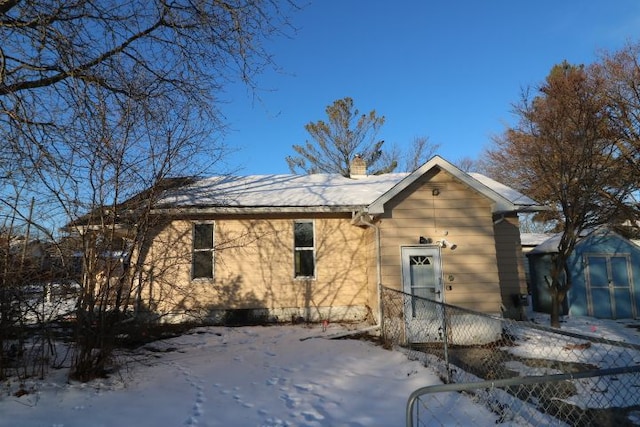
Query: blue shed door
[{"x": 609, "y": 287}]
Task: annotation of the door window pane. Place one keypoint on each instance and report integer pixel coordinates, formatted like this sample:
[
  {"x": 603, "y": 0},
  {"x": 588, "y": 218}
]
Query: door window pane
[{"x": 423, "y": 282}]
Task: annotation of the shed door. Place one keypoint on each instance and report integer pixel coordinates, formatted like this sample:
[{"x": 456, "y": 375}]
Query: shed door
[
  {"x": 609, "y": 287},
  {"x": 422, "y": 281}
]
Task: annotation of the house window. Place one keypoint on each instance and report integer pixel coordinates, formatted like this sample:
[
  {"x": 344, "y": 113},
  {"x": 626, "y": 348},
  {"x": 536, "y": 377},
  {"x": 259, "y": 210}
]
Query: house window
[
  {"x": 304, "y": 250},
  {"x": 202, "y": 259}
]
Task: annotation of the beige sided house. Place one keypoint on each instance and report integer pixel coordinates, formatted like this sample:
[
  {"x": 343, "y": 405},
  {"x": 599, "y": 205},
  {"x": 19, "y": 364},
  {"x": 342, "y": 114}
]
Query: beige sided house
[{"x": 320, "y": 246}]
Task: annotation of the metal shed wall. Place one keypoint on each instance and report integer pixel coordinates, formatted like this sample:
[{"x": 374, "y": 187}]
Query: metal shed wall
[{"x": 606, "y": 278}]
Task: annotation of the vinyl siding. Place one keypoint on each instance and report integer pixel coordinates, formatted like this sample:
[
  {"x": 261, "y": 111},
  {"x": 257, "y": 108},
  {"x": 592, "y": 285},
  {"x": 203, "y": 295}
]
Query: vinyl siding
[
  {"x": 457, "y": 214},
  {"x": 511, "y": 266},
  {"x": 254, "y": 266}
]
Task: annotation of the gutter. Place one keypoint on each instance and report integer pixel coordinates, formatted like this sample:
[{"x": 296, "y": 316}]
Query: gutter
[
  {"x": 362, "y": 218},
  {"x": 248, "y": 210}
]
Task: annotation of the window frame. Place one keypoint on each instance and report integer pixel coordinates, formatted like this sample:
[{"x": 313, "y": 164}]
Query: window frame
[
  {"x": 195, "y": 250},
  {"x": 311, "y": 249}
]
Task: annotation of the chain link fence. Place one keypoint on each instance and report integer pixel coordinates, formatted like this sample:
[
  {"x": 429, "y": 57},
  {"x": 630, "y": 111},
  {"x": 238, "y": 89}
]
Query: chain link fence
[{"x": 520, "y": 373}]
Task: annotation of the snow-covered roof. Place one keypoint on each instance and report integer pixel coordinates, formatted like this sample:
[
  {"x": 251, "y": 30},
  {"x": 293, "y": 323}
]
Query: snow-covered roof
[
  {"x": 551, "y": 244},
  {"x": 548, "y": 246},
  {"x": 316, "y": 190},
  {"x": 534, "y": 239},
  {"x": 324, "y": 192},
  {"x": 514, "y": 196}
]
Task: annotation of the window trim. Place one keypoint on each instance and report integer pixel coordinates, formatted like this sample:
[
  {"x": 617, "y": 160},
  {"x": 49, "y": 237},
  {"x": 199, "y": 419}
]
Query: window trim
[
  {"x": 297, "y": 249},
  {"x": 211, "y": 249}
]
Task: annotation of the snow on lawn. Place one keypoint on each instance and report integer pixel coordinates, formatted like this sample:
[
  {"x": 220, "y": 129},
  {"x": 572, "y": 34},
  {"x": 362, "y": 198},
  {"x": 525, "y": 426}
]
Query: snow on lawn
[
  {"x": 603, "y": 356},
  {"x": 249, "y": 376},
  {"x": 289, "y": 375}
]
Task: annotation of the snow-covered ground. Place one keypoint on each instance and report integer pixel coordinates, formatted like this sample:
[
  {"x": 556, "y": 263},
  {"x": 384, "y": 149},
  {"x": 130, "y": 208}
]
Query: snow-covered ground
[
  {"x": 249, "y": 376},
  {"x": 290, "y": 375}
]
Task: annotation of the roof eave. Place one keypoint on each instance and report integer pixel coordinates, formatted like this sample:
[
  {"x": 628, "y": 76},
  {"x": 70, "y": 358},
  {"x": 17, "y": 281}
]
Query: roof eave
[
  {"x": 248, "y": 210},
  {"x": 503, "y": 209}
]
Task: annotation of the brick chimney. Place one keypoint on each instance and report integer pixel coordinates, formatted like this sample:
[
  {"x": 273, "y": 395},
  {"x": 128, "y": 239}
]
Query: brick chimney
[{"x": 358, "y": 167}]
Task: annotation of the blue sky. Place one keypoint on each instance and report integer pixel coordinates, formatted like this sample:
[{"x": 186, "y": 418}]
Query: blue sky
[{"x": 447, "y": 70}]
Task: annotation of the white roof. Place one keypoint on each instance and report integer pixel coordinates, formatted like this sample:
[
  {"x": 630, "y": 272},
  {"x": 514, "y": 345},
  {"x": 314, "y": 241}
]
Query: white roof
[
  {"x": 282, "y": 191},
  {"x": 535, "y": 239},
  {"x": 551, "y": 244},
  {"x": 514, "y": 196},
  {"x": 322, "y": 192}
]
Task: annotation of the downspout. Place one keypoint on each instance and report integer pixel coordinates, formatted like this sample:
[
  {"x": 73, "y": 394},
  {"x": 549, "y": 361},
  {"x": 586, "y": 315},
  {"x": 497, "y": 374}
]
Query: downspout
[{"x": 359, "y": 219}]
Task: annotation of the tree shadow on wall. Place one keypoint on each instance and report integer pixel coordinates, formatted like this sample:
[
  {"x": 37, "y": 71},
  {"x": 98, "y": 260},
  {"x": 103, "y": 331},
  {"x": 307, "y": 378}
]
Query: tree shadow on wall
[
  {"x": 167, "y": 293},
  {"x": 339, "y": 288}
]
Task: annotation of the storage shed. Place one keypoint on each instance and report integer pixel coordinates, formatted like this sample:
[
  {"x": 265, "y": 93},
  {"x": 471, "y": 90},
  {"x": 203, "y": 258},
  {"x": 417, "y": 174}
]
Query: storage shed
[
  {"x": 605, "y": 269},
  {"x": 530, "y": 241}
]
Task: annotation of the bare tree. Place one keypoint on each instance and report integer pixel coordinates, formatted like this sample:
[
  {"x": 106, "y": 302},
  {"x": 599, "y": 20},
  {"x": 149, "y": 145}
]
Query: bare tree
[
  {"x": 420, "y": 152},
  {"x": 562, "y": 153},
  {"x": 468, "y": 164},
  {"x": 102, "y": 99},
  {"x": 621, "y": 73}
]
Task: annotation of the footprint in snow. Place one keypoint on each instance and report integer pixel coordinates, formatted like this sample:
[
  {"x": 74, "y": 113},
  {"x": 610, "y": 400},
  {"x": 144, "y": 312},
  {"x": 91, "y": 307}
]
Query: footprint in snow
[
  {"x": 192, "y": 421},
  {"x": 303, "y": 387},
  {"x": 312, "y": 416},
  {"x": 275, "y": 422},
  {"x": 200, "y": 396},
  {"x": 197, "y": 410},
  {"x": 290, "y": 401},
  {"x": 273, "y": 381}
]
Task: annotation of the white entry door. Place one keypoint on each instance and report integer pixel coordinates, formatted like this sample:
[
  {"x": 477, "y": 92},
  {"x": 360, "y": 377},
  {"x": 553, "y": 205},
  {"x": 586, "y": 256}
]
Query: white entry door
[{"x": 422, "y": 281}]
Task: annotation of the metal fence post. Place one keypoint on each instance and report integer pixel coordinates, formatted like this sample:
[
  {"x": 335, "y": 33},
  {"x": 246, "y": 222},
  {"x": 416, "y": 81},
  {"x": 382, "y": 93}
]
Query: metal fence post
[{"x": 445, "y": 342}]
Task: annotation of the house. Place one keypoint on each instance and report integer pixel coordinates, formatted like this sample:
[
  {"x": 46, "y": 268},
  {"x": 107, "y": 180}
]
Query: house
[
  {"x": 605, "y": 273},
  {"x": 27, "y": 260},
  {"x": 320, "y": 246}
]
